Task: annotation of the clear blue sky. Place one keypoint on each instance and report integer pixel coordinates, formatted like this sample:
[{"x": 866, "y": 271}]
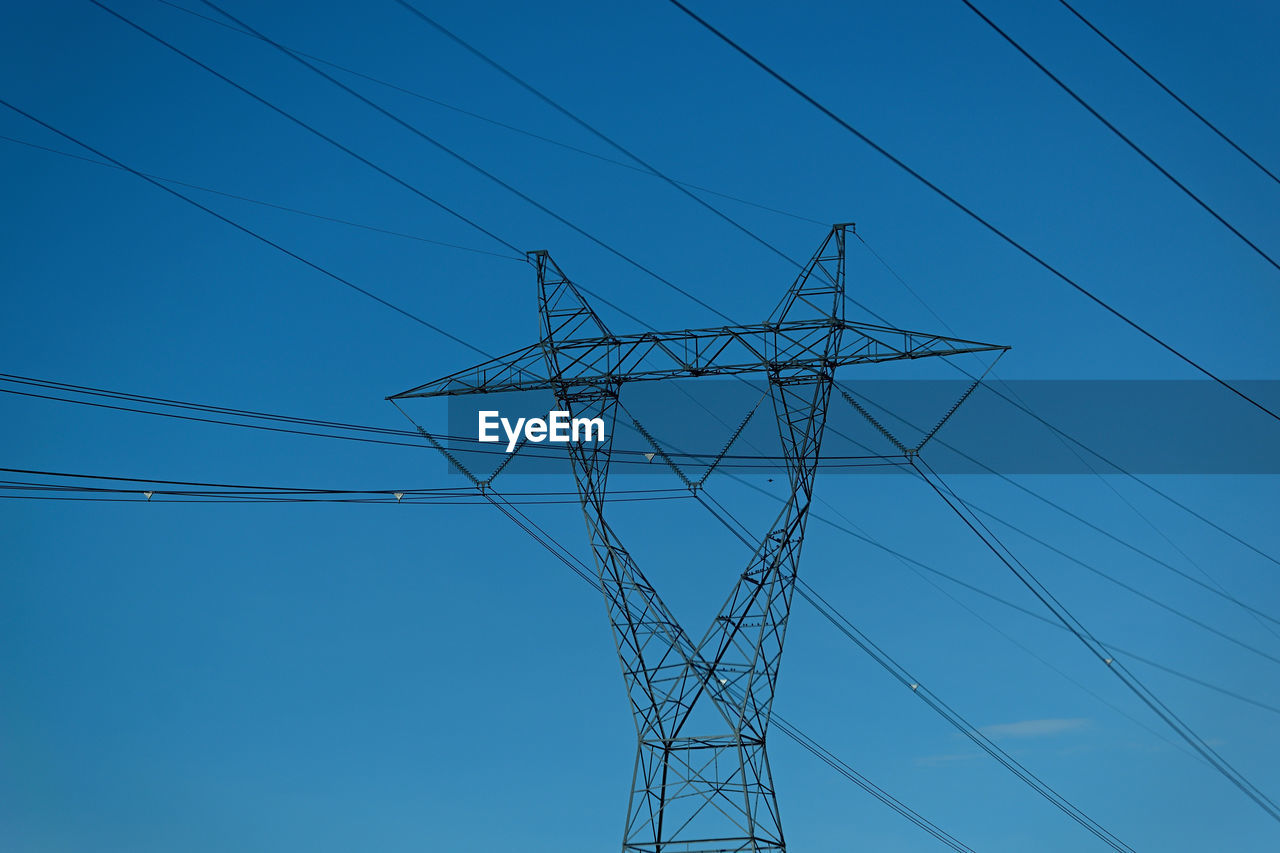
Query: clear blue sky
[{"x": 339, "y": 677}]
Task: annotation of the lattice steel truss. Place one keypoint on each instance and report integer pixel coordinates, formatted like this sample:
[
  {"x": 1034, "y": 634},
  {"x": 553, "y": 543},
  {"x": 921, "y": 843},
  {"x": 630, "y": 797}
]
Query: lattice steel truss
[{"x": 697, "y": 789}]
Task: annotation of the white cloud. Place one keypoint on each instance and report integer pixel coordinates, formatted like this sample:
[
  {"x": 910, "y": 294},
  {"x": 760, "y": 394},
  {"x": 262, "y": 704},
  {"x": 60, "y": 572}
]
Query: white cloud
[
  {"x": 948, "y": 758},
  {"x": 1035, "y": 728}
]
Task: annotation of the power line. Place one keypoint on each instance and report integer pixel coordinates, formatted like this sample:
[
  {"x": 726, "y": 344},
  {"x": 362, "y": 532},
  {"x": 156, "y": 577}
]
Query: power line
[
  {"x": 1068, "y": 440},
  {"x": 643, "y": 164},
  {"x": 918, "y": 566},
  {"x": 496, "y": 122},
  {"x": 183, "y": 498},
  {"x": 1095, "y": 647},
  {"x": 285, "y": 114},
  {"x": 522, "y": 83},
  {"x": 1127, "y": 141},
  {"x": 1065, "y": 511},
  {"x": 244, "y": 229},
  {"x": 58, "y": 482},
  {"x": 384, "y": 500},
  {"x": 968, "y": 729},
  {"x": 269, "y": 204},
  {"x": 1170, "y": 92},
  {"x": 473, "y": 166},
  {"x": 1062, "y": 437},
  {"x": 985, "y": 223},
  {"x": 904, "y": 677},
  {"x": 1204, "y": 626},
  {"x": 631, "y": 457}
]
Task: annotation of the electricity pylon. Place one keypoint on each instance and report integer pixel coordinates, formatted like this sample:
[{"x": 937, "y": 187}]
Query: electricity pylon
[{"x": 701, "y": 789}]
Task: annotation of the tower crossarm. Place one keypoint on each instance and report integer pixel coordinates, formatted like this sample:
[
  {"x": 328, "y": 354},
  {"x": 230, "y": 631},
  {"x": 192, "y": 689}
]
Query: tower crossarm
[{"x": 764, "y": 348}]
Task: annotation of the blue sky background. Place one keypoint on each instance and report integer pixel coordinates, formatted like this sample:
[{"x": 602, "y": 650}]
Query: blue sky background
[{"x": 340, "y": 677}]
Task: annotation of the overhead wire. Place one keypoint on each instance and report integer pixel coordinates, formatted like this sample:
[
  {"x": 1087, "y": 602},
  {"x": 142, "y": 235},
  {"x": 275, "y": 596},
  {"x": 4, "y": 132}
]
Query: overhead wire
[
  {"x": 630, "y": 456},
  {"x": 972, "y": 214},
  {"x": 1138, "y": 65},
  {"x": 1120, "y": 135},
  {"x": 272, "y": 205},
  {"x": 1094, "y": 646},
  {"x": 899, "y": 673},
  {"x": 1073, "y": 444},
  {"x": 243, "y": 228},
  {"x": 489, "y": 120},
  {"x": 1065, "y": 438},
  {"x": 1255, "y": 612},
  {"x": 1221, "y": 593},
  {"x": 79, "y": 483},
  {"x": 612, "y": 143},
  {"x": 920, "y": 566},
  {"x": 1129, "y": 587},
  {"x": 72, "y": 138},
  {"x": 445, "y": 149}
]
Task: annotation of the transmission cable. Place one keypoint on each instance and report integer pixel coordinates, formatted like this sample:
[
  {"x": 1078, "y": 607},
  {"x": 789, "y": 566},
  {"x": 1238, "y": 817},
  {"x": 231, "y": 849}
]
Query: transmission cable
[
  {"x": 519, "y": 81},
  {"x": 437, "y": 203},
  {"x": 1014, "y": 399},
  {"x": 470, "y": 164},
  {"x": 1096, "y": 528},
  {"x": 488, "y": 120},
  {"x": 900, "y": 674},
  {"x": 985, "y": 223},
  {"x": 242, "y": 228},
  {"x": 1169, "y": 91},
  {"x": 642, "y": 164},
  {"x": 630, "y": 456},
  {"x": 272, "y": 205},
  {"x": 1255, "y": 612},
  {"x": 1115, "y": 130},
  {"x": 1095, "y": 647}
]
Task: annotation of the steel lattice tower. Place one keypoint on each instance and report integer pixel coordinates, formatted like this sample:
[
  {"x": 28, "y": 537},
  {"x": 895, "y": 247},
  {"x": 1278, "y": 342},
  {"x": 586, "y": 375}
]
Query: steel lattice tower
[{"x": 696, "y": 789}]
